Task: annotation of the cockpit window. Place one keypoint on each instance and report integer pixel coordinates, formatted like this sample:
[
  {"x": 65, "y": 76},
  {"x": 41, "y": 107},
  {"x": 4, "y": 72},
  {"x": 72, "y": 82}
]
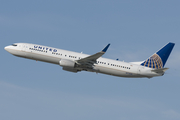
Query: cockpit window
[{"x": 14, "y": 45}]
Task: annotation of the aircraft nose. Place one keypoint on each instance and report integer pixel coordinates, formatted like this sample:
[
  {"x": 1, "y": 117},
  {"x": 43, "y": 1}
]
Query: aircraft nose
[{"x": 6, "y": 48}]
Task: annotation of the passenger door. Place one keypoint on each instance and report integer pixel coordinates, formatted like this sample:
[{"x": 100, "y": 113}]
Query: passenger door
[{"x": 23, "y": 49}]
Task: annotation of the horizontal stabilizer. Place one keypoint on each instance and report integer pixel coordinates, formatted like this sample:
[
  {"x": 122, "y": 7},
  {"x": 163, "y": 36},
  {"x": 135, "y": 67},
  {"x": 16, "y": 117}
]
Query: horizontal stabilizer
[{"x": 161, "y": 70}]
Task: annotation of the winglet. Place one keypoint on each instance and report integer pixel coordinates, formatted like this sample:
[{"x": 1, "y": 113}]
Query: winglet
[{"x": 105, "y": 49}]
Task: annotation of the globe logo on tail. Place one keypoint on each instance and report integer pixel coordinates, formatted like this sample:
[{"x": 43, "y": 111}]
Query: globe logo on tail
[{"x": 153, "y": 62}]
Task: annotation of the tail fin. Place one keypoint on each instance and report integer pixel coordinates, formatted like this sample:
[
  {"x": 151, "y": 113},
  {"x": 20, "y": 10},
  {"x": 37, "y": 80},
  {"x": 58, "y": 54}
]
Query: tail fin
[{"x": 158, "y": 60}]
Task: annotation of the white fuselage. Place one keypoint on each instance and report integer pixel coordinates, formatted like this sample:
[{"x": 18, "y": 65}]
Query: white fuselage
[{"x": 103, "y": 65}]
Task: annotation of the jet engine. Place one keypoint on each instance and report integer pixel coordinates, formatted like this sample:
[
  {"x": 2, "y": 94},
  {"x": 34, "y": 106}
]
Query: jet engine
[{"x": 67, "y": 63}]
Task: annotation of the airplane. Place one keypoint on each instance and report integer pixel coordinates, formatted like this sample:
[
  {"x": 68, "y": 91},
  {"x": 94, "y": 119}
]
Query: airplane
[{"x": 76, "y": 62}]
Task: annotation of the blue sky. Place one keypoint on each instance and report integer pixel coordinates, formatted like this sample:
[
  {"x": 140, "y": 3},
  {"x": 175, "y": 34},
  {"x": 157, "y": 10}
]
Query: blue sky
[{"x": 136, "y": 29}]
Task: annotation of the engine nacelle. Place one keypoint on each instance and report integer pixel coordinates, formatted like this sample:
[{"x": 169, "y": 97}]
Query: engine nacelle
[{"x": 67, "y": 63}]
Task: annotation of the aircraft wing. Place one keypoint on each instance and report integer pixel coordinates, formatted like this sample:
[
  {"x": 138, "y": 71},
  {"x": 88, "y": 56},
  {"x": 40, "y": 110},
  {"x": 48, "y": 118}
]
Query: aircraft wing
[{"x": 90, "y": 60}]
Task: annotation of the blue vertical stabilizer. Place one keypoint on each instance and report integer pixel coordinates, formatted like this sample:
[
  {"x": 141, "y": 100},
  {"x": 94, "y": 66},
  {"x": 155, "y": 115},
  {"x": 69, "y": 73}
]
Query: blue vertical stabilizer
[{"x": 158, "y": 60}]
